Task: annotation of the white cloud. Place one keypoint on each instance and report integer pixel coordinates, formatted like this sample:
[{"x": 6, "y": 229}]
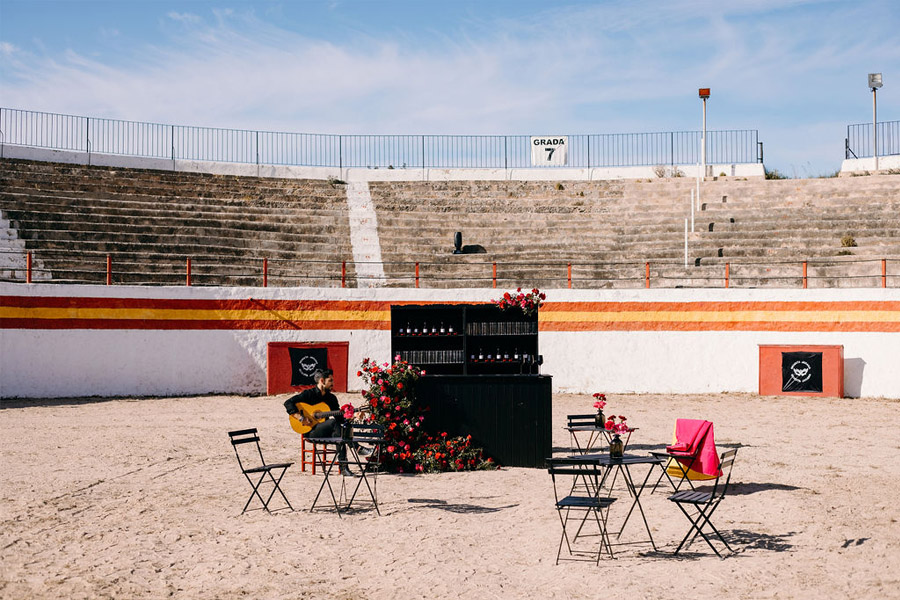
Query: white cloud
[{"x": 784, "y": 68}]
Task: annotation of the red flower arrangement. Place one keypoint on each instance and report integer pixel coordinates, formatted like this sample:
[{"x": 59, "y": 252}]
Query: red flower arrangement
[
  {"x": 610, "y": 423},
  {"x": 529, "y": 302},
  {"x": 409, "y": 448},
  {"x": 620, "y": 427}
]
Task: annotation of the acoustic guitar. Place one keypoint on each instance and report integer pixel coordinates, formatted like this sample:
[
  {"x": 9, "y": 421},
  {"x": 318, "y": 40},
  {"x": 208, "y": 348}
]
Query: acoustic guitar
[{"x": 315, "y": 414}]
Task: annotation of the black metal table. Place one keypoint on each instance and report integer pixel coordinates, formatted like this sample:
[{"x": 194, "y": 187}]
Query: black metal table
[
  {"x": 595, "y": 435},
  {"x": 364, "y": 467},
  {"x": 621, "y": 466}
]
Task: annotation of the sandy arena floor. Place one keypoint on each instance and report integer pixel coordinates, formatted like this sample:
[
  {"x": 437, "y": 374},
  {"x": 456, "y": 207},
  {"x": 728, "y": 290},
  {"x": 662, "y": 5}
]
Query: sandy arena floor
[{"x": 141, "y": 499}]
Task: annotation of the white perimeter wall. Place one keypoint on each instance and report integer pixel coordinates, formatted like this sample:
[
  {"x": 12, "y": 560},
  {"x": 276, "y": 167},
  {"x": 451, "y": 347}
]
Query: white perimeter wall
[{"x": 66, "y": 363}]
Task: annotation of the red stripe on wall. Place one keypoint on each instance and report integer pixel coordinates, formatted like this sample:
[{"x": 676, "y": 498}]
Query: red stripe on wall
[
  {"x": 719, "y": 326},
  {"x": 198, "y": 304}
]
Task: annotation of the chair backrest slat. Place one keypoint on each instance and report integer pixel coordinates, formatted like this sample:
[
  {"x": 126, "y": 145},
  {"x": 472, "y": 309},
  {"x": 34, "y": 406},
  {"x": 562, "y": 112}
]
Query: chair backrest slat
[
  {"x": 580, "y": 420},
  {"x": 245, "y": 441},
  {"x": 241, "y": 432},
  {"x": 251, "y": 437}
]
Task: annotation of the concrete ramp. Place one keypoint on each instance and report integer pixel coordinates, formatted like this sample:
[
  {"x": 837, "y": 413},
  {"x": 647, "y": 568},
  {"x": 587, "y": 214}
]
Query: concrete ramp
[{"x": 366, "y": 245}]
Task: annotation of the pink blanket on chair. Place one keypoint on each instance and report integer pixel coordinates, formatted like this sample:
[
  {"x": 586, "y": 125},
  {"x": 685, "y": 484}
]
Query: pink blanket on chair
[{"x": 694, "y": 437}]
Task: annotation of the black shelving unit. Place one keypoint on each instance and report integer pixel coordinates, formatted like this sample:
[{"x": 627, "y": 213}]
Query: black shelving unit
[{"x": 466, "y": 339}]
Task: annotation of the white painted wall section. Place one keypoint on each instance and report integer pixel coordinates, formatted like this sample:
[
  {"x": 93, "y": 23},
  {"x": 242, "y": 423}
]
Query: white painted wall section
[{"x": 38, "y": 363}]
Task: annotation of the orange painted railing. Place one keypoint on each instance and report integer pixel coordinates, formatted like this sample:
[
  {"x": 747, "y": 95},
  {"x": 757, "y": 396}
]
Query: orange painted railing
[{"x": 100, "y": 268}]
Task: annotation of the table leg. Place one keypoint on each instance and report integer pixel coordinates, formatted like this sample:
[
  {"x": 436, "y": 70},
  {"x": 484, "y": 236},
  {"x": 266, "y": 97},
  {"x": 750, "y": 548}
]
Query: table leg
[
  {"x": 637, "y": 501},
  {"x": 363, "y": 468},
  {"x": 326, "y": 481}
]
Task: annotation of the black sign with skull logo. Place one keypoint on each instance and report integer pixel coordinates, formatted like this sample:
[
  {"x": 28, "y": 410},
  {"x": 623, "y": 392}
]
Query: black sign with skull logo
[
  {"x": 801, "y": 371},
  {"x": 304, "y": 362}
]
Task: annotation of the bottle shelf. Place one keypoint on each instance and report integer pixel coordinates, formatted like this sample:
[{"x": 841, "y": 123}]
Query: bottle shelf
[{"x": 478, "y": 330}]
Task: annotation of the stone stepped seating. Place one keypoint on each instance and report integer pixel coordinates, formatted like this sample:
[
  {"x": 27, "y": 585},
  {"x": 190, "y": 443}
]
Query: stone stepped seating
[
  {"x": 610, "y": 231},
  {"x": 151, "y": 221}
]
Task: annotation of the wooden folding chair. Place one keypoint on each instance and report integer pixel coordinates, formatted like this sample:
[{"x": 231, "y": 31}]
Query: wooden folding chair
[
  {"x": 704, "y": 505},
  {"x": 267, "y": 472},
  {"x": 316, "y": 456},
  {"x": 578, "y": 509}
]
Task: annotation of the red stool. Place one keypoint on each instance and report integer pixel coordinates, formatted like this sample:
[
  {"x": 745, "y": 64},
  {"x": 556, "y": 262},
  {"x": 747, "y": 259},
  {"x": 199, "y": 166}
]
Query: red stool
[{"x": 315, "y": 456}]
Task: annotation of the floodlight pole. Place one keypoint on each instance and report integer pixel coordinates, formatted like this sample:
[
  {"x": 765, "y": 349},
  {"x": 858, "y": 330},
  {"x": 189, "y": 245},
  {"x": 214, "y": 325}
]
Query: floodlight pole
[
  {"x": 875, "y": 82},
  {"x": 704, "y": 95},
  {"x": 875, "y": 126}
]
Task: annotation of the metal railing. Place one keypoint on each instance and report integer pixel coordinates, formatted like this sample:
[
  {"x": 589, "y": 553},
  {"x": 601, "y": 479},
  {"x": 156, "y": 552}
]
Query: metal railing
[
  {"x": 91, "y": 267},
  {"x": 858, "y": 143},
  {"x": 181, "y": 142}
]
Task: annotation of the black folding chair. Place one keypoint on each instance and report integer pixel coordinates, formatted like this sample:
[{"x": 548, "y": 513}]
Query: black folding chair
[
  {"x": 586, "y": 423},
  {"x": 704, "y": 505},
  {"x": 268, "y": 473},
  {"x": 578, "y": 509}
]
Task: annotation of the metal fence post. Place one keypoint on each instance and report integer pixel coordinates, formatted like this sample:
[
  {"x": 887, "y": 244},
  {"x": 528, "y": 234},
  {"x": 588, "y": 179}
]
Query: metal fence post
[
  {"x": 28, "y": 268},
  {"x": 495, "y": 275},
  {"x": 570, "y": 276},
  {"x": 417, "y": 274},
  {"x": 87, "y": 138},
  {"x": 727, "y": 274},
  {"x": 647, "y": 275}
]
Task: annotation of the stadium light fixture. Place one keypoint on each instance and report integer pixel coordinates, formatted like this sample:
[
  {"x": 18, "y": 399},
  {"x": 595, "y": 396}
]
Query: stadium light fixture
[
  {"x": 704, "y": 95},
  {"x": 874, "y": 84}
]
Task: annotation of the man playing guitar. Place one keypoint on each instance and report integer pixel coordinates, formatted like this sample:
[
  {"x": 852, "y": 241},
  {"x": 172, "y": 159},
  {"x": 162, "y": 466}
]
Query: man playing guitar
[{"x": 330, "y": 427}]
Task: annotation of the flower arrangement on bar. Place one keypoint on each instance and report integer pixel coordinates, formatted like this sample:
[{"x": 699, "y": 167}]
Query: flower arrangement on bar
[
  {"x": 528, "y": 302},
  {"x": 409, "y": 448}
]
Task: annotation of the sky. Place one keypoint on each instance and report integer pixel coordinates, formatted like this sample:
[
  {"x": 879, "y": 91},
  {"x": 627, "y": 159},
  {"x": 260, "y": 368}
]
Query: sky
[{"x": 793, "y": 69}]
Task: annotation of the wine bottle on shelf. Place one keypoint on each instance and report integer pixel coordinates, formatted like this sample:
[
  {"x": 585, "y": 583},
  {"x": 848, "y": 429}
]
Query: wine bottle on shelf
[
  {"x": 516, "y": 355},
  {"x": 506, "y": 355},
  {"x": 434, "y": 330},
  {"x": 443, "y": 329},
  {"x": 497, "y": 356},
  {"x": 480, "y": 354},
  {"x": 408, "y": 330},
  {"x": 425, "y": 328},
  {"x": 415, "y": 330},
  {"x": 450, "y": 329}
]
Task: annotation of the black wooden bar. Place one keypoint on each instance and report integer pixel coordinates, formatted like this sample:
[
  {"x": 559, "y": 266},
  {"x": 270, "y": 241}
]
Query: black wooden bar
[{"x": 507, "y": 415}]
